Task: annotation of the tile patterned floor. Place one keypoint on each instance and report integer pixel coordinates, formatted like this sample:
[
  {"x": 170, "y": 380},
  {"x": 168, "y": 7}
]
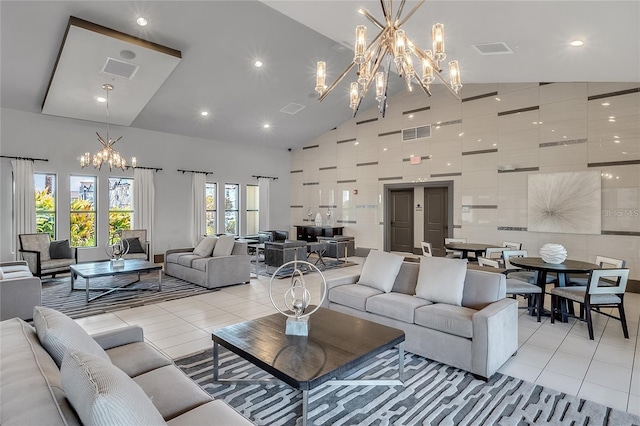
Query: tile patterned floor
[{"x": 560, "y": 356}]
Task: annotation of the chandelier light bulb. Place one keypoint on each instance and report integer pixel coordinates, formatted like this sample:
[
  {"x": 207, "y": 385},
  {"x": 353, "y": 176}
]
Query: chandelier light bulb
[
  {"x": 353, "y": 95},
  {"x": 454, "y": 76},
  {"x": 363, "y": 72},
  {"x": 361, "y": 44},
  {"x": 398, "y": 45},
  {"x": 427, "y": 70},
  {"x": 437, "y": 35},
  {"x": 380, "y": 83},
  {"x": 321, "y": 75}
]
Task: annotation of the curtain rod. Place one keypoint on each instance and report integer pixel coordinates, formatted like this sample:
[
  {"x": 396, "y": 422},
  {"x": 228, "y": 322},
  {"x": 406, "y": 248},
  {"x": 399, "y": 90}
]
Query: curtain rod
[
  {"x": 266, "y": 177},
  {"x": 195, "y": 171},
  {"x": 157, "y": 169},
  {"x": 24, "y": 158}
]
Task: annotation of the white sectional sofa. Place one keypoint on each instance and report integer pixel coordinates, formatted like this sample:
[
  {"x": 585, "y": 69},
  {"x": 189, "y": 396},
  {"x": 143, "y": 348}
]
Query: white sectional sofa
[
  {"x": 459, "y": 317},
  {"x": 20, "y": 291}
]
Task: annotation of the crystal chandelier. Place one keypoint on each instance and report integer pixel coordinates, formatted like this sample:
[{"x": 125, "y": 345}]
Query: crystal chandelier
[
  {"x": 107, "y": 154},
  {"x": 391, "y": 42}
]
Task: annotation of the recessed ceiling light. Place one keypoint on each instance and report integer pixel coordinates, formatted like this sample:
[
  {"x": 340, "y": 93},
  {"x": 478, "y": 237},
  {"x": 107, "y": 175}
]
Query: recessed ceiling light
[
  {"x": 577, "y": 43},
  {"x": 101, "y": 99},
  {"x": 258, "y": 64},
  {"x": 266, "y": 125},
  {"x": 605, "y": 104},
  {"x": 204, "y": 113},
  {"x": 141, "y": 21}
]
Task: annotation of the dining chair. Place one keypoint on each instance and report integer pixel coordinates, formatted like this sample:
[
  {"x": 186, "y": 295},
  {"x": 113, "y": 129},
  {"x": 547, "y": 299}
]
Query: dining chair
[
  {"x": 604, "y": 263},
  {"x": 453, "y": 253},
  {"x": 495, "y": 253},
  {"x": 519, "y": 273},
  {"x": 512, "y": 245},
  {"x": 427, "y": 249},
  {"x": 596, "y": 296},
  {"x": 515, "y": 287}
]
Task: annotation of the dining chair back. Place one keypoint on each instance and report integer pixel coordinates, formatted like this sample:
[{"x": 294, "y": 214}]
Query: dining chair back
[
  {"x": 512, "y": 245},
  {"x": 494, "y": 253},
  {"x": 605, "y": 290},
  {"x": 506, "y": 254},
  {"x": 453, "y": 253},
  {"x": 492, "y": 263},
  {"x": 604, "y": 263},
  {"x": 427, "y": 249}
]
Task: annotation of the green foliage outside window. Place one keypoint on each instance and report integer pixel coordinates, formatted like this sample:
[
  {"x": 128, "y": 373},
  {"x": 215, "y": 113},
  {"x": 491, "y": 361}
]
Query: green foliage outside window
[
  {"x": 83, "y": 225},
  {"x": 119, "y": 220},
  {"x": 45, "y": 212}
]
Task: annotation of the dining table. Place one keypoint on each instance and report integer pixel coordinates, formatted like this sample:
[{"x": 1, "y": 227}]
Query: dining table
[
  {"x": 562, "y": 271},
  {"x": 477, "y": 248}
]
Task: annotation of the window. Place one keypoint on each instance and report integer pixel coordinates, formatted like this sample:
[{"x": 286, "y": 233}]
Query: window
[
  {"x": 231, "y": 208},
  {"x": 83, "y": 210},
  {"x": 211, "y": 214},
  {"x": 45, "y": 204},
  {"x": 120, "y": 204},
  {"x": 253, "y": 206}
]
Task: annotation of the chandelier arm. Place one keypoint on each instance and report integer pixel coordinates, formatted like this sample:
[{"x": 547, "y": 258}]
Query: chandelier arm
[
  {"x": 114, "y": 142},
  {"x": 436, "y": 69},
  {"x": 101, "y": 140},
  {"x": 370, "y": 17},
  {"x": 335, "y": 83},
  {"x": 383, "y": 102},
  {"x": 424, "y": 87},
  {"x": 421, "y": 54},
  {"x": 399, "y": 12},
  {"x": 406, "y": 18},
  {"x": 386, "y": 13},
  {"x": 382, "y": 49}
]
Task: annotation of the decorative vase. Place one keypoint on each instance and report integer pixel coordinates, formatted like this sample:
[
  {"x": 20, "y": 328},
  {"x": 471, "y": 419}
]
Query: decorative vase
[
  {"x": 318, "y": 219},
  {"x": 553, "y": 253}
]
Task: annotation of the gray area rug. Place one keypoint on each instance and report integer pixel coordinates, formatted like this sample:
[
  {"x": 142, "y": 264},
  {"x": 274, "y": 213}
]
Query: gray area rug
[
  {"x": 434, "y": 394},
  {"x": 56, "y": 293}
]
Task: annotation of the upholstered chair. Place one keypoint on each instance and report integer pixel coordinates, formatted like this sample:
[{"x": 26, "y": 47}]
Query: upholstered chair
[
  {"x": 45, "y": 257},
  {"x": 137, "y": 249}
]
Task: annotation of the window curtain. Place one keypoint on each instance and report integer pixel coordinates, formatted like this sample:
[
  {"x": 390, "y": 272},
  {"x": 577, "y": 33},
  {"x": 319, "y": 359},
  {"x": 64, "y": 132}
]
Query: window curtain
[
  {"x": 24, "y": 201},
  {"x": 199, "y": 207},
  {"x": 144, "y": 196},
  {"x": 263, "y": 203}
]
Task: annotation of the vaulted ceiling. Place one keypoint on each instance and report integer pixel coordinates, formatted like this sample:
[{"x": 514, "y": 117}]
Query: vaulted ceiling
[{"x": 220, "y": 41}]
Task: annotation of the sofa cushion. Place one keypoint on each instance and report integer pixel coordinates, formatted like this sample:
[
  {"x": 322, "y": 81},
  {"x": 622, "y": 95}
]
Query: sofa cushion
[
  {"x": 202, "y": 415},
  {"x": 352, "y": 295},
  {"x": 58, "y": 333},
  {"x": 200, "y": 264},
  {"x": 1, "y": 274},
  {"x": 441, "y": 280},
  {"x": 173, "y": 257},
  {"x": 137, "y": 358},
  {"x": 134, "y": 245},
  {"x": 205, "y": 246},
  {"x": 17, "y": 274},
  {"x": 102, "y": 394},
  {"x": 186, "y": 259},
  {"x": 49, "y": 265},
  {"x": 456, "y": 320},
  {"x": 224, "y": 246},
  {"x": 15, "y": 268},
  {"x": 398, "y": 306},
  {"x": 60, "y": 250},
  {"x": 380, "y": 270}
]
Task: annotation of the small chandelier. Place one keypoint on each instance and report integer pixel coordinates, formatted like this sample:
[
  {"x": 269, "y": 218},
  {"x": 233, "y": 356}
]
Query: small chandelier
[
  {"x": 107, "y": 154},
  {"x": 391, "y": 42}
]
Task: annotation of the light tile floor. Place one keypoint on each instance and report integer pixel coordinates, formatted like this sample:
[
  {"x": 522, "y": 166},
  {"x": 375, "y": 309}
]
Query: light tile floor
[{"x": 559, "y": 356}]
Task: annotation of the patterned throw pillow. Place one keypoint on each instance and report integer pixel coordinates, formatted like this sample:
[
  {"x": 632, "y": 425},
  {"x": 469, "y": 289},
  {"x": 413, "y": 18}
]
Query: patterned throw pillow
[{"x": 102, "y": 394}]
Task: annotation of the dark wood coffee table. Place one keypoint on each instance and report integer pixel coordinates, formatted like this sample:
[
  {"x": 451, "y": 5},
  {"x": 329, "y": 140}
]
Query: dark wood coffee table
[
  {"x": 105, "y": 269},
  {"x": 336, "y": 344}
]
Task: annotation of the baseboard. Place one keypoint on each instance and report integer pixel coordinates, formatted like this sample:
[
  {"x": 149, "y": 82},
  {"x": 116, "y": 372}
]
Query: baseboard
[
  {"x": 158, "y": 258},
  {"x": 633, "y": 286}
]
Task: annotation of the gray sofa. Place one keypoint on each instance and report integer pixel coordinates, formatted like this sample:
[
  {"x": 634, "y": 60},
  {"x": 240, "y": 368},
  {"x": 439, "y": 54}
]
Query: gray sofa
[
  {"x": 35, "y": 391},
  {"x": 479, "y": 336},
  {"x": 20, "y": 291},
  {"x": 210, "y": 271}
]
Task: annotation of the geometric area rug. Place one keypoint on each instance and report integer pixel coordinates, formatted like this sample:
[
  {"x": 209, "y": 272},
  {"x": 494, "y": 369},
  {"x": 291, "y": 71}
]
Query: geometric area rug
[
  {"x": 57, "y": 294},
  {"x": 434, "y": 394}
]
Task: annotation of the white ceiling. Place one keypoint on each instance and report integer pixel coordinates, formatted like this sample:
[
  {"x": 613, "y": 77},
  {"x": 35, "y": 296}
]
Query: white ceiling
[{"x": 220, "y": 40}]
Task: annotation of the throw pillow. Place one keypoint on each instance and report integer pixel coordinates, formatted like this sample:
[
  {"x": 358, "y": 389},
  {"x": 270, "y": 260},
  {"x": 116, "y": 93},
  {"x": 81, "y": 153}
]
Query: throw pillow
[
  {"x": 224, "y": 246},
  {"x": 134, "y": 245},
  {"x": 380, "y": 270},
  {"x": 60, "y": 250},
  {"x": 441, "y": 280},
  {"x": 102, "y": 394},
  {"x": 58, "y": 333},
  {"x": 205, "y": 246}
]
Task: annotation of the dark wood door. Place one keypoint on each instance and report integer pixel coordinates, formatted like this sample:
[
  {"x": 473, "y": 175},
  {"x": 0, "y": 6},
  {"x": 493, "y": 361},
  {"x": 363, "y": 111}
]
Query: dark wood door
[
  {"x": 436, "y": 226},
  {"x": 402, "y": 220}
]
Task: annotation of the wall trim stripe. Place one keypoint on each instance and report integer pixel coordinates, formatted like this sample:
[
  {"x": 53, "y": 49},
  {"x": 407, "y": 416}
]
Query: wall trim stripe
[
  {"x": 395, "y": 132},
  {"x": 390, "y": 178},
  {"x": 372, "y": 163},
  {"x": 446, "y": 123},
  {"x": 481, "y": 151},
  {"x": 512, "y": 228},
  {"x": 296, "y": 171},
  {"x": 563, "y": 142},
  {"x": 310, "y": 183},
  {"x": 446, "y": 174},
  {"x": 346, "y": 221},
  {"x": 479, "y": 206},
  {"x": 473, "y": 98},
  {"x": 426, "y": 157},
  {"x": 371, "y": 120},
  {"x": 327, "y": 206},
  {"x": 347, "y": 181},
  {"x": 457, "y": 226},
  {"x": 412, "y": 111},
  {"x": 517, "y": 170},
  {"x": 610, "y": 94},
  {"x": 346, "y": 140},
  {"x": 311, "y": 147},
  {"x": 613, "y": 163},
  {"x": 623, "y": 233},
  {"x": 296, "y": 207},
  {"x": 516, "y": 111},
  {"x": 328, "y": 168}
]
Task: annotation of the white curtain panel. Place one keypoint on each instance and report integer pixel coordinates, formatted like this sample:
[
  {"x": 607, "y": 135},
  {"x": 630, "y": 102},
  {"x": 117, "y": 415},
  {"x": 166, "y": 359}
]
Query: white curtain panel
[
  {"x": 199, "y": 207},
  {"x": 263, "y": 200},
  {"x": 144, "y": 198},
  {"x": 24, "y": 201}
]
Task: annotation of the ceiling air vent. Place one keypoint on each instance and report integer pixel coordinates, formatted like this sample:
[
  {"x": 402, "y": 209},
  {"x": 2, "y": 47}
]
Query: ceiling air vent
[
  {"x": 497, "y": 48},
  {"x": 120, "y": 68},
  {"x": 416, "y": 133},
  {"x": 292, "y": 108}
]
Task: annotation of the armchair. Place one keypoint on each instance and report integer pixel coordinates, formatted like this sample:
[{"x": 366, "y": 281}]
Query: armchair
[
  {"x": 141, "y": 235},
  {"x": 35, "y": 250}
]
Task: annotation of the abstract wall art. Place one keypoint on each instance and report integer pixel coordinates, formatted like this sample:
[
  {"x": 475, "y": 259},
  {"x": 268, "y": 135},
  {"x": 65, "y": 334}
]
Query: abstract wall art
[{"x": 564, "y": 202}]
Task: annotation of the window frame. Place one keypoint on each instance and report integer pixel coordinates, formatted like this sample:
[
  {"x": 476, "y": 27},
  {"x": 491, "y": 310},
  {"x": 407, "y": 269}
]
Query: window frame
[
  {"x": 130, "y": 211},
  {"x": 53, "y": 212},
  {"x": 256, "y": 211},
  {"x": 93, "y": 212},
  {"x": 214, "y": 210},
  {"x": 236, "y": 210}
]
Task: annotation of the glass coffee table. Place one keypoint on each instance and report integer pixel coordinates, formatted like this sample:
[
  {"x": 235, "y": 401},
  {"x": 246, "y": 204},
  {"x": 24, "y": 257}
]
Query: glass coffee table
[
  {"x": 107, "y": 269},
  {"x": 336, "y": 344}
]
